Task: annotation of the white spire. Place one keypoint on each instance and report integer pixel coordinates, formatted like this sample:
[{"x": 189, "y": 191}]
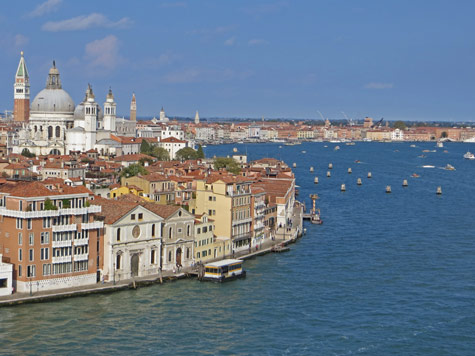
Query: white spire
[{"x": 197, "y": 118}]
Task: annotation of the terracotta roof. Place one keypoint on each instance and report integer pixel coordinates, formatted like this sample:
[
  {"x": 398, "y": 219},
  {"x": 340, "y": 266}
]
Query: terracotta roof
[
  {"x": 38, "y": 189},
  {"x": 172, "y": 140},
  {"x": 133, "y": 157},
  {"x": 113, "y": 210}
]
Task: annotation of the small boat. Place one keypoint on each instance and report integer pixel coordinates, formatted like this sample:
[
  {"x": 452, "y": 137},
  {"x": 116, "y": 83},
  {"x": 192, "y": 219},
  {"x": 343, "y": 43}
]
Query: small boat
[
  {"x": 357, "y": 161},
  {"x": 225, "y": 270},
  {"x": 412, "y": 146},
  {"x": 469, "y": 155},
  {"x": 316, "y": 218},
  {"x": 440, "y": 144},
  {"x": 425, "y": 151},
  {"x": 415, "y": 175},
  {"x": 428, "y": 166},
  {"x": 449, "y": 167},
  {"x": 280, "y": 248},
  {"x": 421, "y": 156},
  {"x": 304, "y": 151},
  {"x": 350, "y": 143},
  {"x": 337, "y": 148}
]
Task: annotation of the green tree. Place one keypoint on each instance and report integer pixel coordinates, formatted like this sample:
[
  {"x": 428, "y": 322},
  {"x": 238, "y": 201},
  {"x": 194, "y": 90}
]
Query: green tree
[
  {"x": 200, "y": 152},
  {"x": 160, "y": 153},
  {"x": 229, "y": 163},
  {"x": 26, "y": 152},
  {"x": 49, "y": 205},
  {"x": 133, "y": 170},
  {"x": 186, "y": 153},
  {"x": 145, "y": 147},
  {"x": 401, "y": 125},
  {"x": 66, "y": 203}
]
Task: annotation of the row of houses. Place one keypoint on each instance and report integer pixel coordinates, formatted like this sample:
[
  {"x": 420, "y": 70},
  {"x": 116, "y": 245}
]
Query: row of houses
[{"x": 54, "y": 234}]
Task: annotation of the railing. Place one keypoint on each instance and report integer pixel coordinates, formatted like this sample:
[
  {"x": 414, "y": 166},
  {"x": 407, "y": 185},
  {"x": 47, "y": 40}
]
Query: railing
[
  {"x": 62, "y": 259},
  {"x": 64, "y": 243},
  {"x": 60, "y": 228},
  {"x": 247, "y": 235},
  {"x": 92, "y": 225},
  {"x": 242, "y": 221},
  {"x": 81, "y": 257},
  {"x": 49, "y": 213},
  {"x": 81, "y": 242}
]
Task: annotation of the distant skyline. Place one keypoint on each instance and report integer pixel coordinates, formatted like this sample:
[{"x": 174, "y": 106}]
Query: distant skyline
[{"x": 401, "y": 60}]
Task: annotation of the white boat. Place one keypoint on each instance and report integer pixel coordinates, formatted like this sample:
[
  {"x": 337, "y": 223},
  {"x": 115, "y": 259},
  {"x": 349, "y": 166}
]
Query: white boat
[
  {"x": 469, "y": 155},
  {"x": 440, "y": 144},
  {"x": 224, "y": 270},
  {"x": 428, "y": 166},
  {"x": 449, "y": 167},
  {"x": 337, "y": 148}
]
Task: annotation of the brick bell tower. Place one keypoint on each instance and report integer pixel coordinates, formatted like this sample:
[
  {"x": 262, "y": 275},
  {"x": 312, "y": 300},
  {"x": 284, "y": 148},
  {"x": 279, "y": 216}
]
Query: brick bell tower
[{"x": 21, "y": 94}]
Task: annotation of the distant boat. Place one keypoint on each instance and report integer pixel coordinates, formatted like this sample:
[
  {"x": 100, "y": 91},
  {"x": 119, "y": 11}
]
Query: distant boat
[
  {"x": 350, "y": 143},
  {"x": 415, "y": 175},
  {"x": 469, "y": 155},
  {"x": 428, "y": 166},
  {"x": 440, "y": 144},
  {"x": 337, "y": 148},
  {"x": 449, "y": 167},
  {"x": 412, "y": 146}
]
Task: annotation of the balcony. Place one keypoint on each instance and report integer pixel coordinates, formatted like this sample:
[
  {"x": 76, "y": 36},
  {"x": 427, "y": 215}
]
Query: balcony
[
  {"x": 61, "y": 228},
  {"x": 240, "y": 237},
  {"x": 49, "y": 213},
  {"x": 81, "y": 257},
  {"x": 242, "y": 221},
  {"x": 65, "y": 243},
  {"x": 62, "y": 259},
  {"x": 81, "y": 242},
  {"x": 92, "y": 225}
]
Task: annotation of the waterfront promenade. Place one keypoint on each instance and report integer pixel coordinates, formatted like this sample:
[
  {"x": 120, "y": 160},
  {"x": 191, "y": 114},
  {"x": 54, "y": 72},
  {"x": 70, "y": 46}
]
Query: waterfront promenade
[{"x": 283, "y": 236}]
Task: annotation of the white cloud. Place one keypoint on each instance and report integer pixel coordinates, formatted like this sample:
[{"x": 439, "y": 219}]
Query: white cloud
[
  {"x": 378, "y": 85},
  {"x": 20, "y": 40},
  {"x": 230, "y": 41},
  {"x": 103, "y": 53},
  {"x": 257, "y": 42},
  {"x": 45, "y": 8},
  {"x": 85, "y": 22}
]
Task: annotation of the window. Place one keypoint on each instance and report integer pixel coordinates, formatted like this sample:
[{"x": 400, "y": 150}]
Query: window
[
  {"x": 170, "y": 233},
  {"x": 188, "y": 253},
  {"x": 198, "y": 254},
  {"x": 118, "y": 261},
  {"x": 205, "y": 229},
  {"x": 188, "y": 230},
  {"x": 44, "y": 238},
  {"x": 31, "y": 271},
  {"x": 210, "y": 198},
  {"x": 20, "y": 254},
  {"x": 20, "y": 238},
  {"x": 31, "y": 254},
  {"x": 19, "y": 270},
  {"x": 21, "y": 205},
  {"x": 169, "y": 256},
  {"x": 152, "y": 257},
  {"x": 199, "y": 230},
  {"x": 19, "y": 223},
  {"x": 31, "y": 239},
  {"x": 153, "y": 230},
  {"x": 132, "y": 217},
  {"x": 46, "y": 269},
  {"x": 140, "y": 216},
  {"x": 45, "y": 253},
  {"x": 118, "y": 234}
]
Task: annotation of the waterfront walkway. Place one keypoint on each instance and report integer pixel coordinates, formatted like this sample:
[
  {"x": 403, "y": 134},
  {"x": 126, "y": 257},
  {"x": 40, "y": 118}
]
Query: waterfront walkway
[{"x": 283, "y": 236}]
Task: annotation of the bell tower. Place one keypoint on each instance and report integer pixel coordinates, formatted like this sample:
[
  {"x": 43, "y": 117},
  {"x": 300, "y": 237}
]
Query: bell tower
[
  {"x": 90, "y": 118},
  {"x": 133, "y": 109},
  {"x": 109, "y": 112},
  {"x": 21, "y": 94}
]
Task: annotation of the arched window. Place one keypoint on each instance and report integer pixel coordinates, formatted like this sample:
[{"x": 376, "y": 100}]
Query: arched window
[
  {"x": 58, "y": 131},
  {"x": 169, "y": 256},
  {"x": 188, "y": 230},
  {"x": 188, "y": 253},
  {"x": 50, "y": 131},
  {"x": 118, "y": 234},
  {"x": 170, "y": 233},
  {"x": 36, "y": 128},
  {"x": 153, "y": 230},
  {"x": 118, "y": 261}
]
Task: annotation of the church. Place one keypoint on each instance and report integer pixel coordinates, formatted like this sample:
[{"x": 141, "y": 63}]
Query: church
[{"x": 53, "y": 124}]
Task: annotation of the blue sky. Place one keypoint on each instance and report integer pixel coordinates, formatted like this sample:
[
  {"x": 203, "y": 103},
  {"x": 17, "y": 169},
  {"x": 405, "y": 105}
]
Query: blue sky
[{"x": 409, "y": 60}]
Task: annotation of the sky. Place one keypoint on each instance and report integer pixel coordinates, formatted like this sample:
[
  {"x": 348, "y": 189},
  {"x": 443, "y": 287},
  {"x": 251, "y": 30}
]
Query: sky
[{"x": 401, "y": 60}]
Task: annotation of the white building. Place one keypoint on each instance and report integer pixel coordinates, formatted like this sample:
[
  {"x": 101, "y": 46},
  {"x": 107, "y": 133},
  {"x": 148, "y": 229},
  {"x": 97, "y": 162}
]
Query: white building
[
  {"x": 6, "y": 277},
  {"x": 173, "y": 145},
  {"x": 397, "y": 135}
]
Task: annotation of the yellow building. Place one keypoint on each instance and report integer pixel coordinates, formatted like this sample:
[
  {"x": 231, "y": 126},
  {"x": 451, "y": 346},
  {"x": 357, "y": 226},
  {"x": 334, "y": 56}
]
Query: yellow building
[
  {"x": 227, "y": 200},
  {"x": 155, "y": 186},
  {"x": 130, "y": 189},
  {"x": 207, "y": 246}
]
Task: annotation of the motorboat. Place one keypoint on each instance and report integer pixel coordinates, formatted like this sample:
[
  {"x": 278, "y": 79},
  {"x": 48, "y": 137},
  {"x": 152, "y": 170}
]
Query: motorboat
[
  {"x": 449, "y": 167},
  {"x": 469, "y": 155}
]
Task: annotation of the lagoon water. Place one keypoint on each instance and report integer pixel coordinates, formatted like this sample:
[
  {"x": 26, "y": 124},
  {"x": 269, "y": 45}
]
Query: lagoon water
[{"x": 386, "y": 274}]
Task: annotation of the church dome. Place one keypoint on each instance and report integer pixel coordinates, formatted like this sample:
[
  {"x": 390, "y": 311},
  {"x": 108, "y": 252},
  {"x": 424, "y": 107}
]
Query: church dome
[
  {"x": 80, "y": 115},
  {"x": 53, "y": 98}
]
